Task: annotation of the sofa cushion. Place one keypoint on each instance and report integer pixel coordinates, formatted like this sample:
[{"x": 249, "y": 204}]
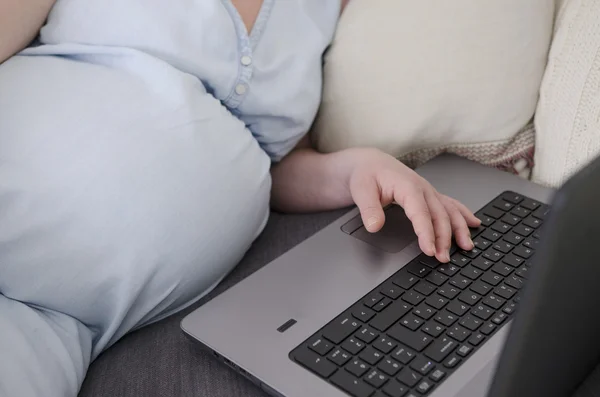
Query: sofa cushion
[{"x": 415, "y": 78}]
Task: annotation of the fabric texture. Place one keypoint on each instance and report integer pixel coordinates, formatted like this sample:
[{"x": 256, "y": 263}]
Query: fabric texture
[
  {"x": 159, "y": 361},
  {"x": 567, "y": 119},
  {"x": 415, "y": 79},
  {"x": 270, "y": 78}
]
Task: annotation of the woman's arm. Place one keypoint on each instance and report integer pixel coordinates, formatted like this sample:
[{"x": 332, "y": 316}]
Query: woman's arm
[{"x": 20, "y": 22}]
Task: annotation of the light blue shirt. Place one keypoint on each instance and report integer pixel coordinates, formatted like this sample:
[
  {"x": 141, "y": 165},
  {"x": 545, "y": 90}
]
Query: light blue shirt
[{"x": 270, "y": 79}]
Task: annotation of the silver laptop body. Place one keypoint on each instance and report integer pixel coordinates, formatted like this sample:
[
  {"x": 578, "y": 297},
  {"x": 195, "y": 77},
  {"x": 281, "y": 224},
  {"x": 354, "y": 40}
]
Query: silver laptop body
[{"x": 255, "y": 325}]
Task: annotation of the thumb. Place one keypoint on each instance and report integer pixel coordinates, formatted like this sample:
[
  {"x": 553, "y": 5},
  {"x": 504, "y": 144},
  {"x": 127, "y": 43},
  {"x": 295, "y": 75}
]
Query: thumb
[{"x": 366, "y": 195}]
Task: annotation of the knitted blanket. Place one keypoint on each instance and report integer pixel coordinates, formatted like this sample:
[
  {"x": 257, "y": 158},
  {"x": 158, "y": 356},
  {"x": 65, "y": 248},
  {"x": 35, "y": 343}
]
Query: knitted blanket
[{"x": 567, "y": 119}]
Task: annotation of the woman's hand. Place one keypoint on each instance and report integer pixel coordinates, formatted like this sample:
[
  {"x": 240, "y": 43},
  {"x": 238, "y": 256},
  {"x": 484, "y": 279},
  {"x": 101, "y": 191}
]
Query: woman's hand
[
  {"x": 306, "y": 181},
  {"x": 377, "y": 180}
]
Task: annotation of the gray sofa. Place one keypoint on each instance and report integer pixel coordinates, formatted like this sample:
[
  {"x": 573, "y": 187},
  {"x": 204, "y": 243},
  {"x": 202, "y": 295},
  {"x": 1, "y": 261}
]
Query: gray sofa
[{"x": 159, "y": 361}]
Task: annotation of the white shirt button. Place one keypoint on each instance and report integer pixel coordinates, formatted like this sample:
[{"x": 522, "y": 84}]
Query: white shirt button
[
  {"x": 240, "y": 89},
  {"x": 246, "y": 60}
]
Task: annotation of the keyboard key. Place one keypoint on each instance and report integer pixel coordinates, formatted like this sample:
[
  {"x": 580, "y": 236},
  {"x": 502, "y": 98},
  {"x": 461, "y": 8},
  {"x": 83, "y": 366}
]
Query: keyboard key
[
  {"x": 471, "y": 322},
  {"x": 340, "y": 329},
  {"x": 409, "y": 377},
  {"x": 457, "y": 308},
  {"x": 389, "y": 366},
  {"x": 448, "y": 291},
  {"x": 494, "y": 301},
  {"x": 424, "y": 386},
  {"x": 503, "y": 204},
  {"x": 391, "y": 290},
  {"x": 505, "y": 291},
  {"x": 422, "y": 365},
  {"x": 436, "y": 301},
  {"x": 532, "y": 222},
  {"x": 491, "y": 235},
  {"x": 339, "y": 356},
  {"x": 510, "y": 219},
  {"x": 503, "y": 246},
  {"x": 482, "y": 311},
  {"x": 425, "y": 288},
  {"x": 513, "y": 238},
  {"x": 474, "y": 253},
  {"x": 311, "y": 360},
  {"x": 482, "y": 263},
  {"x": 367, "y": 334},
  {"x": 530, "y": 204},
  {"x": 523, "y": 252},
  {"x": 372, "y": 299},
  {"x": 404, "y": 279},
  {"x": 460, "y": 281},
  {"x": 464, "y": 350},
  {"x": 532, "y": 243},
  {"x": 491, "y": 278},
  {"x": 488, "y": 328},
  {"x": 432, "y": 328},
  {"x": 376, "y": 378},
  {"x": 363, "y": 314},
  {"x": 353, "y": 345},
  {"x": 514, "y": 282},
  {"x": 480, "y": 287},
  {"x": 437, "y": 375},
  {"x": 493, "y": 212},
  {"x": 471, "y": 272},
  {"x": 523, "y": 230},
  {"x": 448, "y": 269},
  {"x": 415, "y": 340},
  {"x": 370, "y": 355},
  {"x": 385, "y": 344},
  {"x": 499, "y": 318},
  {"x": 446, "y": 318},
  {"x": 476, "y": 339},
  {"x": 512, "y": 197},
  {"x": 428, "y": 261},
  {"x": 502, "y": 269},
  {"x": 411, "y": 321},
  {"x": 469, "y": 297},
  {"x": 404, "y": 355},
  {"x": 390, "y": 315},
  {"x": 355, "y": 387},
  {"x": 413, "y": 297},
  {"x": 395, "y": 389},
  {"x": 510, "y": 308},
  {"x": 493, "y": 255},
  {"x": 452, "y": 361},
  {"x": 424, "y": 311},
  {"x": 357, "y": 367},
  {"x": 542, "y": 212},
  {"x": 459, "y": 333},
  {"x": 382, "y": 304},
  {"x": 486, "y": 221},
  {"x": 440, "y": 349},
  {"x": 459, "y": 260},
  {"x": 521, "y": 212},
  {"x": 513, "y": 260},
  {"x": 436, "y": 278},
  {"x": 320, "y": 345},
  {"x": 418, "y": 269},
  {"x": 501, "y": 227},
  {"x": 481, "y": 243}
]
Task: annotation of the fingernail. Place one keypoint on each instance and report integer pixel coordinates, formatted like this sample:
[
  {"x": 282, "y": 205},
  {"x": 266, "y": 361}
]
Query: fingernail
[{"x": 371, "y": 221}]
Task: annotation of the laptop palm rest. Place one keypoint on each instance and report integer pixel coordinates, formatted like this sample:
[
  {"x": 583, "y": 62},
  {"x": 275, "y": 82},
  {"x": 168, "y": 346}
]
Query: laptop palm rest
[{"x": 396, "y": 234}]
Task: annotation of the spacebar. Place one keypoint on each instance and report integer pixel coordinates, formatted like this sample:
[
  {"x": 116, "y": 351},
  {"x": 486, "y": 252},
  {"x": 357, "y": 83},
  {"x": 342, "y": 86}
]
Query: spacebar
[{"x": 390, "y": 315}]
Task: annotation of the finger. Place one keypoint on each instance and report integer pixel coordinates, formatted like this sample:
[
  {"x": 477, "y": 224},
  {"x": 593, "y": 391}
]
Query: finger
[
  {"x": 441, "y": 224},
  {"x": 366, "y": 195},
  {"x": 470, "y": 218},
  {"x": 417, "y": 211},
  {"x": 460, "y": 229}
]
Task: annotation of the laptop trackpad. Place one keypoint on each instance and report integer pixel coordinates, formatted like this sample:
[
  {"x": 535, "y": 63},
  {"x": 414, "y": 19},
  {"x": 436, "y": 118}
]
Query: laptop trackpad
[{"x": 396, "y": 234}]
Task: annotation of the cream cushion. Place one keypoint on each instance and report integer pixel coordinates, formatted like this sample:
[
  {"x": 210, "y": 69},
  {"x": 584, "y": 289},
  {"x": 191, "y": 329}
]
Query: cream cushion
[{"x": 415, "y": 78}]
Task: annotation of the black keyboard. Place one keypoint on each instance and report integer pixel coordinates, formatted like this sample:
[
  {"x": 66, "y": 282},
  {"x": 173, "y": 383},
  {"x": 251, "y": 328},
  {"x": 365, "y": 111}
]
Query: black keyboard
[{"x": 411, "y": 332}]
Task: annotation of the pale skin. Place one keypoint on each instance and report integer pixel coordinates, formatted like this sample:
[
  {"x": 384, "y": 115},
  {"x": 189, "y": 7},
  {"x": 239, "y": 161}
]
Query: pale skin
[{"x": 306, "y": 180}]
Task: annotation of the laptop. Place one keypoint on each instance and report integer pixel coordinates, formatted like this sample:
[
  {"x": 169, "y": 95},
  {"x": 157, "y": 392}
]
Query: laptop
[{"x": 349, "y": 313}]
